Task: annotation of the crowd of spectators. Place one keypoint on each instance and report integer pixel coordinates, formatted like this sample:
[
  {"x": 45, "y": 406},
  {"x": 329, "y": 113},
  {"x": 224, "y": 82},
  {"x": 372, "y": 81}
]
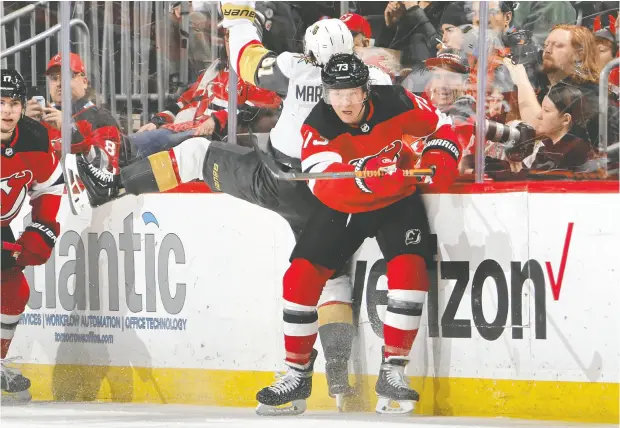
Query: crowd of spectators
[
  {"x": 542, "y": 74},
  {"x": 542, "y": 77}
]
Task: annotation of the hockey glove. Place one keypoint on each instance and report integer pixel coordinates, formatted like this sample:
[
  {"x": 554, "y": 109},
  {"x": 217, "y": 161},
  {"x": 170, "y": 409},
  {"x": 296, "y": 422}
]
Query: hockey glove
[
  {"x": 391, "y": 183},
  {"x": 444, "y": 156},
  {"x": 235, "y": 11},
  {"x": 37, "y": 243}
]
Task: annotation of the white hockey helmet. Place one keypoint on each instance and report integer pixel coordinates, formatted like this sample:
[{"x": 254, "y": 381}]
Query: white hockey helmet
[{"x": 325, "y": 38}]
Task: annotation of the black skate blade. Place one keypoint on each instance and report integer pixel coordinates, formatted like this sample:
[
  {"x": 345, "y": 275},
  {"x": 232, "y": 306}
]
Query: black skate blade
[
  {"x": 385, "y": 406},
  {"x": 297, "y": 407}
]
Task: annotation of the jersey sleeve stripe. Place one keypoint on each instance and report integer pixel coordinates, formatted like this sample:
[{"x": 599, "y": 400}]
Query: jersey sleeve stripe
[
  {"x": 53, "y": 186},
  {"x": 53, "y": 178},
  {"x": 318, "y": 158}
]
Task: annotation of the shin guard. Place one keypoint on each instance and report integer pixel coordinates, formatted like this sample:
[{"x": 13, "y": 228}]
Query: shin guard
[
  {"x": 407, "y": 289},
  {"x": 302, "y": 283}
]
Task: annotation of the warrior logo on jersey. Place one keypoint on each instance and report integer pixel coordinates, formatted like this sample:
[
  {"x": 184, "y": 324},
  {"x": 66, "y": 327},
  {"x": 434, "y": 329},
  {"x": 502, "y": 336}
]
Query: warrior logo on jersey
[
  {"x": 391, "y": 151},
  {"x": 14, "y": 190}
]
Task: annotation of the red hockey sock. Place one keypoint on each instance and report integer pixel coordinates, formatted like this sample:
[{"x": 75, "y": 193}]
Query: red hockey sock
[
  {"x": 14, "y": 296},
  {"x": 407, "y": 288},
  {"x": 303, "y": 283}
]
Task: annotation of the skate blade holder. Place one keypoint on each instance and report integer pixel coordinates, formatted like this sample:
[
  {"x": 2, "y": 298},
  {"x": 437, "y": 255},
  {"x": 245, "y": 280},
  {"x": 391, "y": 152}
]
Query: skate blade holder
[
  {"x": 16, "y": 398},
  {"x": 296, "y": 407},
  {"x": 78, "y": 198},
  {"x": 386, "y": 406}
]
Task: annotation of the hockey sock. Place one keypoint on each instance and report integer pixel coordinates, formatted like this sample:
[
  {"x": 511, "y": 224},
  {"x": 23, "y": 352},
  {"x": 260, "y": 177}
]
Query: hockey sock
[
  {"x": 336, "y": 319},
  {"x": 156, "y": 173},
  {"x": 166, "y": 170},
  {"x": 302, "y": 283},
  {"x": 407, "y": 288},
  {"x": 14, "y": 296}
]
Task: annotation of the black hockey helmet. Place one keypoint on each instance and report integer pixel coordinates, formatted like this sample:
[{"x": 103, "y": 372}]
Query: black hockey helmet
[
  {"x": 344, "y": 71},
  {"x": 12, "y": 85}
]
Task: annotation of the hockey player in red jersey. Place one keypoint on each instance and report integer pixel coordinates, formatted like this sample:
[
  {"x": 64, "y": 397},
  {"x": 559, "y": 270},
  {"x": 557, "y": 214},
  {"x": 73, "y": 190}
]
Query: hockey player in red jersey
[
  {"x": 359, "y": 128},
  {"x": 29, "y": 167}
]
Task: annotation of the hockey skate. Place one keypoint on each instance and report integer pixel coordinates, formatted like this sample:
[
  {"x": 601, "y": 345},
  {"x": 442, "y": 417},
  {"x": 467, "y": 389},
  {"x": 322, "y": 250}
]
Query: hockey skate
[
  {"x": 393, "y": 388},
  {"x": 14, "y": 385},
  {"x": 337, "y": 374},
  {"x": 101, "y": 185},
  {"x": 293, "y": 387}
]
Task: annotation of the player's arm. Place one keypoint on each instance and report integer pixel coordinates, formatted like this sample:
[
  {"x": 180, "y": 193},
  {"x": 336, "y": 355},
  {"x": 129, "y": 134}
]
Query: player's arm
[
  {"x": 102, "y": 131},
  {"x": 252, "y": 61},
  {"x": 40, "y": 235},
  {"x": 442, "y": 149},
  {"x": 350, "y": 196},
  {"x": 172, "y": 109}
]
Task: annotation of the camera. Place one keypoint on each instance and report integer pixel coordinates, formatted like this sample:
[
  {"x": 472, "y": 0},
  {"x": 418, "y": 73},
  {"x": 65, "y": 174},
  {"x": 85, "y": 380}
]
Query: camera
[
  {"x": 518, "y": 141},
  {"x": 522, "y": 48}
]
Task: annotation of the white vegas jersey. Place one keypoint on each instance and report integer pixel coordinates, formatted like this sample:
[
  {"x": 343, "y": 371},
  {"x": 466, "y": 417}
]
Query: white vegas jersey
[
  {"x": 304, "y": 92},
  {"x": 289, "y": 75}
]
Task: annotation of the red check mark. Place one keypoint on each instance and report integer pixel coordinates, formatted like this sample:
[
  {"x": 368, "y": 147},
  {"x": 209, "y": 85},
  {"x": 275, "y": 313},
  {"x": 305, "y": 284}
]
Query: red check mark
[{"x": 557, "y": 286}]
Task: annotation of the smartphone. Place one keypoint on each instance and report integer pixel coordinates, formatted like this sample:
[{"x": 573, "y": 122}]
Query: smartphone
[{"x": 40, "y": 100}]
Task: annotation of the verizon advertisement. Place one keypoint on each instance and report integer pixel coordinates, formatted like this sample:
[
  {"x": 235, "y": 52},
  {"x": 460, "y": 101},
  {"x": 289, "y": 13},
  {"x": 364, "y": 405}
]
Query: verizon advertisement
[{"x": 524, "y": 286}]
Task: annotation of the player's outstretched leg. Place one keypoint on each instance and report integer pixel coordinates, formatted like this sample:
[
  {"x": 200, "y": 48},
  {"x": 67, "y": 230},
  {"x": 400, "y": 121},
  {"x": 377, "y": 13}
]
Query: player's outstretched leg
[
  {"x": 294, "y": 387},
  {"x": 337, "y": 332},
  {"x": 166, "y": 170},
  {"x": 14, "y": 296},
  {"x": 407, "y": 288}
]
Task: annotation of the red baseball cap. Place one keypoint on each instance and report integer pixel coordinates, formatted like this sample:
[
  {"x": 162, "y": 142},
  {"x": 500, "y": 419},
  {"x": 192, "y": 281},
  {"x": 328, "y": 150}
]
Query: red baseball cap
[
  {"x": 357, "y": 24},
  {"x": 75, "y": 62}
]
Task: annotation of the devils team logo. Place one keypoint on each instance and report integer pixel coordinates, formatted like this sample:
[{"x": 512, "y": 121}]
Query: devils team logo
[
  {"x": 391, "y": 151},
  {"x": 13, "y": 192}
]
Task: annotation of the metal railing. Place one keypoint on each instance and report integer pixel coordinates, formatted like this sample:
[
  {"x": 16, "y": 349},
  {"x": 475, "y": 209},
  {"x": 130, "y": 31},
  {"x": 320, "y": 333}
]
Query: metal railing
[
  {"x": 21, "y": 12},
  {"x": 98, "y": 45},
  {"x": 603, "y": 108},
  {"x": 47, "y": 34}
]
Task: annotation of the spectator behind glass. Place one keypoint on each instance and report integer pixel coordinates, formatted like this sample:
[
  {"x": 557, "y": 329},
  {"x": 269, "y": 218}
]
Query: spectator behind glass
[
  {"x": 359, "y": 27},
  {"x": 606, "y": 41},
  {"x": 569, "y": 53},
  {"x": 413, "y": 28},
  {"x": 449, "y": 72},
  {"x": 92, "y": 125},
  {"x": 456, "y": 29},
  {"x": 562, "y": 118},
  {"x": 199, "y": 44}
]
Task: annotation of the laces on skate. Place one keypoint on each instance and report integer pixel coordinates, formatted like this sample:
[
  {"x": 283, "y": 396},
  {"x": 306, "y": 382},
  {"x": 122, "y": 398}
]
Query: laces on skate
[
  {"x": 284, "y": 387},
  {"x": 292, "y": 387},
  {"x": 395, "y": 395}
]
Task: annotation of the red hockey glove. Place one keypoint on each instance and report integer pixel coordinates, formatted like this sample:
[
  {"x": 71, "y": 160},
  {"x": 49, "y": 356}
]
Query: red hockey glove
[
  {"x": 390, "y": 183},
  {"x": 444, "y": 155},
  {"x": 37, "y": 243}
]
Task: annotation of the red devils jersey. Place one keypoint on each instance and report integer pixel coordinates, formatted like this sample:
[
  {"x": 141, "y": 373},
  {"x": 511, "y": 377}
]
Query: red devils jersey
[
  {"x": 331, "y": 145},
  {"x": 30, "y": 167},
  {"x": 214, "y": 95},
  {"x": 92, "y": 126}
]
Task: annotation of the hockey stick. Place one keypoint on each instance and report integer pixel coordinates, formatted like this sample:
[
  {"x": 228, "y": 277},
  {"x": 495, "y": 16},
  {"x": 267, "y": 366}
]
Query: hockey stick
[{"x": 293, "y": 175}]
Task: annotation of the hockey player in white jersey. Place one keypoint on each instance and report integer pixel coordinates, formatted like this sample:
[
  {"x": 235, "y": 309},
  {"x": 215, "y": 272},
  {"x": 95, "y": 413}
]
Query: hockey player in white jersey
[{"x": 238, "y": 171}]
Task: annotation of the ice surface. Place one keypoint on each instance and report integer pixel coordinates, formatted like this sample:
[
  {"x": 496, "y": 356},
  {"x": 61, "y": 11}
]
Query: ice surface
[{"x": 95, "y": 415}]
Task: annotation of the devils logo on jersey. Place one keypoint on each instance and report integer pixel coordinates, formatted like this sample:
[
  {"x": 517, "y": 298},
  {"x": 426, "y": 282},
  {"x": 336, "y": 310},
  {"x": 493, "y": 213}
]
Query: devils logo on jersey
[
  {"x": 13, "y": 190},
  {"x": 391, "y": 151}
]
